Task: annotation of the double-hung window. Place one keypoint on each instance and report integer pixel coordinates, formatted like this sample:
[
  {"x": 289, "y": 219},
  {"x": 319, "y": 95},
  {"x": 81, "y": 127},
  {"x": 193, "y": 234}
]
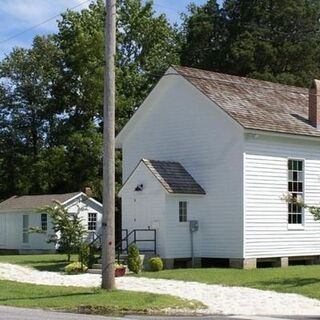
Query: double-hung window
[
  {"x": 183, "y": 211},
  {"x": 92, "y": 221},
  {"x": 44, "y": 222},
  {"x": 25, "y": 228},
  {"x": 295, "y": 188}
]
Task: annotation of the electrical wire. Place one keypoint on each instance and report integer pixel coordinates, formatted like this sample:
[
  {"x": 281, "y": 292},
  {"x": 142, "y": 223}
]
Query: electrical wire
[{"x": 40, "y": 23}]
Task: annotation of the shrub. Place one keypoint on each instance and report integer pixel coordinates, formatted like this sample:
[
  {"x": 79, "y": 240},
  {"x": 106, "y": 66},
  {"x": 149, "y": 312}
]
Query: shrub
[
  {"x": 155, "y": 264},
  {"x": 134, "y": 261},
  {"x": 70, "y": 228},
  {"x": 75, "y": 267},
  {"x": 119, "y": 266},
  {"x": 86, "y": 254}
]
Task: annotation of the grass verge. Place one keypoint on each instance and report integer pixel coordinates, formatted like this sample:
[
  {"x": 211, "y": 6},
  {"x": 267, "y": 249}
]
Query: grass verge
[
  {"x": 41, "y": 262},
  {"x": 87, "y": 300},
  {"x": 304, "y": 280}
]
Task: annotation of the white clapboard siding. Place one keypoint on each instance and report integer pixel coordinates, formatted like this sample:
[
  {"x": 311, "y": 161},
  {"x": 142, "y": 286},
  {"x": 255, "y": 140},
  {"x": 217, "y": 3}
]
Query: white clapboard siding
[
  {"x": 82, "y": 207},
  {"x": 265, "y": 170},
  {"x": 178, "y": 123},
  {"x": 178, "y": 233},
  {"x": 13, "y": 236},
  {"x": 3, "y": 232},
  {"x": 144, "y": 209},
  {"x": 11, "y": 222}
]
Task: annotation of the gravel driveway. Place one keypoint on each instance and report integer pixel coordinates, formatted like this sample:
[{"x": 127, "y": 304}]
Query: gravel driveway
[{"x": 219, "y": 299}]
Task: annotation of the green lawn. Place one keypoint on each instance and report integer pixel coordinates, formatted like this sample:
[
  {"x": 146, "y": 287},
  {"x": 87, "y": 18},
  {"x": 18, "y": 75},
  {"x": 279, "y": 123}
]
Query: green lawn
[
  {"x": 86, "y": 300},
  {"x": 303, "y": 280},
  {"x": 43, "y": 262}
]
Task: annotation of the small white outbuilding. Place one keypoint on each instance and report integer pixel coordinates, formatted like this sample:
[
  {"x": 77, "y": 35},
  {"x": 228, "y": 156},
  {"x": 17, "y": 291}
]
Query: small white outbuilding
[
  {"x": 170, "y": 187},
  {"x": 245, "y": 143},
  {"x": 20, "y": 213}
]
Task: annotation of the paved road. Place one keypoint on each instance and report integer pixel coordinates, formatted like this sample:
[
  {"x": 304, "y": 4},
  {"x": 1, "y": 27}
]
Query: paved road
[{"x": 11, "y": 313}]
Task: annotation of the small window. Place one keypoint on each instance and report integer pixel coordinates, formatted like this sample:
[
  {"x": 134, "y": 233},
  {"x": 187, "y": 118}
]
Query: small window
[
  {"x": 92, "y": 221},
  {"x": 44, "y": 221},
  {"x": 295, "y": 187},
  {"x": 25, "y": 228},
  {"x": 183, "y": 211}
]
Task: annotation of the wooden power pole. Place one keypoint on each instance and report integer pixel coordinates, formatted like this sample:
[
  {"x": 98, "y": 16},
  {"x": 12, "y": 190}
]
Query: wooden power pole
[{"x": 108, "y": 233}]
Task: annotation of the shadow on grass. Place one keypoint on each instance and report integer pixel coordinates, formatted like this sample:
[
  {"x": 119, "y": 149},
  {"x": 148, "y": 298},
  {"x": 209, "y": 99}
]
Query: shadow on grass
[
  {"x": 63, "y": 295},
  {"x": 50, "y": 266},
  {"x": 290, "y": 283}
]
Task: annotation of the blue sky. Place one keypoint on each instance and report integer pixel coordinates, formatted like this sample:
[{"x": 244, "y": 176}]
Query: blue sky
[{"x": 18, "y": 15}]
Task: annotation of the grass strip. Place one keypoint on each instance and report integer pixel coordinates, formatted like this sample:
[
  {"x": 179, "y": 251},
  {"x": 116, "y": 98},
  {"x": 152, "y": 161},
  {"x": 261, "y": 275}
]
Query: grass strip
[
  {"x": 41, "y": 262},
  {"x": 304, "y": 280},
  {"x": 88, "y": 300}
]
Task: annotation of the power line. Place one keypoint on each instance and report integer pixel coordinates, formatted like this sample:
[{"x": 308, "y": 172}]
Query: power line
[{"x": 40, "y": 23}]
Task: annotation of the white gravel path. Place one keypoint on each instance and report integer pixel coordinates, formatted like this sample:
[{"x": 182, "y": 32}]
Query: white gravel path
[{"x": 219, "y": 299}]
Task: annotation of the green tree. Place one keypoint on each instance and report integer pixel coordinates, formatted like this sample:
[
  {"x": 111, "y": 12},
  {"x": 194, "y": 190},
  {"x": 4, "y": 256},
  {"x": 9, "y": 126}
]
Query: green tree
[
  {"x": 51, "y": 96},
  {"x": 27, "y": 113},
  {"x": 68, "y": 229},
  {"x": 146, "y": 45},
  {"x": 265, "y": 39}
]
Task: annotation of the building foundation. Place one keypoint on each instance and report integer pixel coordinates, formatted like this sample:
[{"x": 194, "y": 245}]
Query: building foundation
[
  {"x": 168, "y": 263},
  {"x": 282, "y": 262},
  {"x": 240, "y": 263}
]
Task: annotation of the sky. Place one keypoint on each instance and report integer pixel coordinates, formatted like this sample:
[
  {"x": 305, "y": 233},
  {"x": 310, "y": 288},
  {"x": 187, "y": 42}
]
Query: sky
[{"x": 17, "y": 16}]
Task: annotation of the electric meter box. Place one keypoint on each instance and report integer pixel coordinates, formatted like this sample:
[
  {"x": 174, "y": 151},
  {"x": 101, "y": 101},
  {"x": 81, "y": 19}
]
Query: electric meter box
[{"x": 194, "y": 225}]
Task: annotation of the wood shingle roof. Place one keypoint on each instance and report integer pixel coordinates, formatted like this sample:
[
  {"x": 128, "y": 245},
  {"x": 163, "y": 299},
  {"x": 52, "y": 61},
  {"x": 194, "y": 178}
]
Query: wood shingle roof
[
  {"x": 255, "y": 104},
  {"x": 174, "y": 177},
  {"x": 34, "y": 201}
]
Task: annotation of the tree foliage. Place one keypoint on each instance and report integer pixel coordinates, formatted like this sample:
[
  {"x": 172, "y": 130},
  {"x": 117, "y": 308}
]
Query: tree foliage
[
  {"x": 299, "y": 201},
  {"x": 134, "y": 260},
  {"x": 265, "y": 39},
  {"x": 51, "y": 96},
  {"x": 68, "y": 230}
]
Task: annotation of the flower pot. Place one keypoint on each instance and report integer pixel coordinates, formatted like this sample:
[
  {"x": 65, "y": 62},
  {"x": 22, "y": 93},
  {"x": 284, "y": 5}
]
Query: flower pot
[{"x": 119, "y": 272}]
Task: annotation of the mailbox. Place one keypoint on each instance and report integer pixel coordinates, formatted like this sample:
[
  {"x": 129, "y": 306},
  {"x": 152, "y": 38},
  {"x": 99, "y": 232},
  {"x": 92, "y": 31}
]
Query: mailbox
[{"x": 194, "y": 225}]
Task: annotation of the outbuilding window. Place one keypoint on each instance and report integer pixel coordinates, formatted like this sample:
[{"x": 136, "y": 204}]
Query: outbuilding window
[
  {"x": 25, "y": 228},
  {"x": 183, "y": 211},
  {"x": 44, "y": 222},
  {"x": 92, "y": 221},
  {"x": 295, "y": 187}
]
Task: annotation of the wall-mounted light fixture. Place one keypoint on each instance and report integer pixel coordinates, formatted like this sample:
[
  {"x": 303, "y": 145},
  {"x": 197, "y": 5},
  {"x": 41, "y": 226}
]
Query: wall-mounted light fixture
[{"x": 139, "y": 187}]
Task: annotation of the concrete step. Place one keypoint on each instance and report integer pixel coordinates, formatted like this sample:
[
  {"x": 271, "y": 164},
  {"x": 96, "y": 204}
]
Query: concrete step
[
  {"x": 122, "y": 260},
  {"x": 94, "y": 271},
  {"x": 97, "y": 266},
  {"x": 98, "y": 270}
]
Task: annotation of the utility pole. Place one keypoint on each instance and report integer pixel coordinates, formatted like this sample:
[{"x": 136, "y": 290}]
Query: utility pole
[{"x": 108, "y": 233}]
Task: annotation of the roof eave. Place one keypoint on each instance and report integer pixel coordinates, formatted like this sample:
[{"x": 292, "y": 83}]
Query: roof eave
[
  {"x": 185, "y": 193},
  {"x": 18, "y": 210},
  {"x": 280, "y": 134}
]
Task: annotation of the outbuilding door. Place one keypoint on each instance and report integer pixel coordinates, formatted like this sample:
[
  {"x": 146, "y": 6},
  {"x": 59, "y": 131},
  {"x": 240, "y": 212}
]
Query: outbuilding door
[
  {"x": 3, "y": 239},
  {"x": 141, "y": 210}
]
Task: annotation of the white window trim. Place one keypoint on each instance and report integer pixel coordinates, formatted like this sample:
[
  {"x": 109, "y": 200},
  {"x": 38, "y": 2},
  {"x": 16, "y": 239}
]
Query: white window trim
[
  {"x": 297, "y": 226},
  {"x": 91, "y": 221},
  {"x": 186, "y": 211},
  {"x": 44, "y": 230},
  {"x": 25, "y": 229}
]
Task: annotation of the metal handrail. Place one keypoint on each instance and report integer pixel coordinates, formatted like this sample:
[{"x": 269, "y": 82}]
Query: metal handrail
[
  {"x": 135, "y": 240},
  {"x": 96, "y": 237}
]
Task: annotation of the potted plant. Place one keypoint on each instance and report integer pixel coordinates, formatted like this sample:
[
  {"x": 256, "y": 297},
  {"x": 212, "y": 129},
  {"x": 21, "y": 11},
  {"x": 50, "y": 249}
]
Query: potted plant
[{"x": 119, "y": 270}]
